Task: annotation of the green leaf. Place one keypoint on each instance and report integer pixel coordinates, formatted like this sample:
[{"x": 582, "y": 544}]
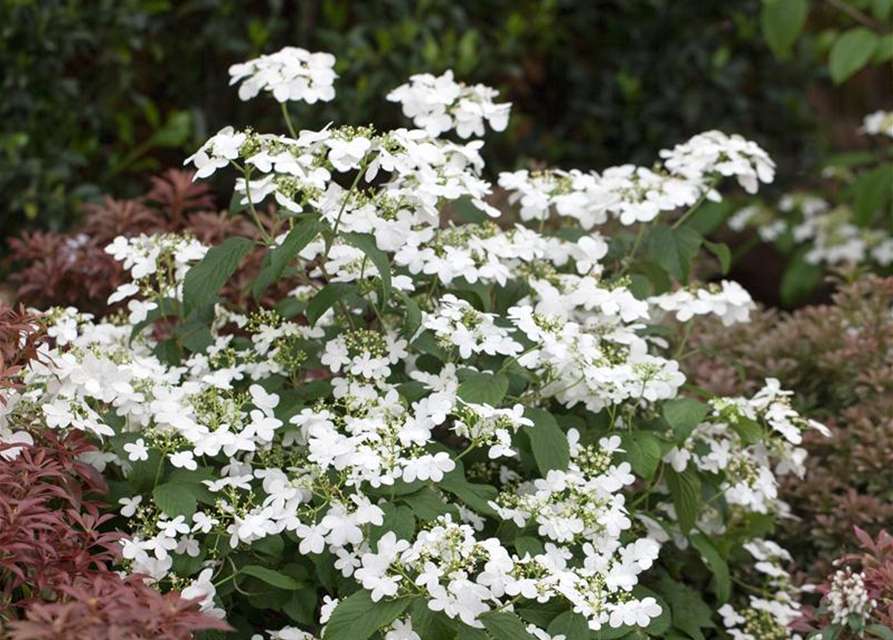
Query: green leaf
[
  {"x": 484, "y": 388},
  {"x": 690, "y": 612},
  {"x": 427, "y": 504},
  {"x": 474, "y": 496},
  {"x": 175, "y": 499},
  {"x": 674, "y": 249},
  {"x": 542, "y": 613},
  {"x": 716, "y": 563},
  {"x": 881, "y": 631},
  {"x": 723, "y": 254},
  {"x": 325, "y": 298},
  {"x": 302, "y": 606},
  {"x": 549, "y": 444},
  {"x": 431, "y": 625},
  {"x": 413, "y": 319},
  {"x": 643, "y": 452},
  {"x": 873, "y": 191},
  {"x": 782, "y": 21},
  {"x": 397, "y": 518},
  {"x": 748, "y": 430},
  {"x": 271, "y": 577},
  {"x": 851, "y": 51},
  {"x": 685, "y": 489},
  {"x": 279, "y": 257},
  {"x": 470, "y": 633},
  {"x": 884, "y": 51},
  {"x": 466, "y": 211},
  {"x": 683, "y": 415},
  {"x": 571, "y": 625},
  {"x": 505, "y": 626},
  {"x": 358, "y": 617},
  {"x": 528, "y": 545},
  {"x": 205, "y": 279},
  {"x": 365, "y": 242}
]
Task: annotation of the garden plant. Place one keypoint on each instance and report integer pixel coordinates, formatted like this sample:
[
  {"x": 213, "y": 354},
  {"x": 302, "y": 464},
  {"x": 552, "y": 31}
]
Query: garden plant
[{"x": 375, "y": 405}]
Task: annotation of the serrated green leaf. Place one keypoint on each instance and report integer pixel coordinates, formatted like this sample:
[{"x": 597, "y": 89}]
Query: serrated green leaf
[
  {"x": 431, "y": 625},
  {"x": 427, "y": 504},
  {"x": 365, "y": 242},
  {"x": 643, "y": 452},
  {"x": 469, "y": 633},
  {"x": 674, "y": 249},
  {"x": 175, "y": 499},
  {"x": 358, "y": 617},
  {"x": 851, "y": 51},
  {"x": 689, "y": 611},
  {"x": 271, "y": 577},
  {"x": 484, "y": 388},
  {"x": 503, "y": 625},
  {"x": 685, "y": 489},
  {"x": 528, "y": 545},
  {"x": 782, "y": 21},
  {"x": 683, "y": 415},
  {"x": 205, "y": 279},
  {"x": 301, "y": 606},
  {"x": 571, "y": 625},
  {"x": 548, "y": 441},
  {"x": 717, "y": 565},
  {"x": 278, "y": 257}
]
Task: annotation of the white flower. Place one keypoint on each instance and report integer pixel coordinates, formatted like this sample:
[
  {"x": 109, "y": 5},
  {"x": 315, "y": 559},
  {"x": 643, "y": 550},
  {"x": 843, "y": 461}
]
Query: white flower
[
  {"x": 183, "y": 460},
  {"x": 137, "y": 451},
  {"x": 291, "y": 74},
  {"x": 129, "y": 505}
]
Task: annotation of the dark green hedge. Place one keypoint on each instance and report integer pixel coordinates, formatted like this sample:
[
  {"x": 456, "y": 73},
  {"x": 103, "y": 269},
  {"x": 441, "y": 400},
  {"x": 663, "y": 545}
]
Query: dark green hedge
[{"x": 94, "y": 92}]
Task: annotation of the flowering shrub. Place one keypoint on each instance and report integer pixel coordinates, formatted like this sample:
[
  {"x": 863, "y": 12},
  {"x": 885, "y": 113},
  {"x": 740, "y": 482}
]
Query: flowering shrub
[
  {"x": 839, "y": 360},
  {"x": 445, "y": 429}
]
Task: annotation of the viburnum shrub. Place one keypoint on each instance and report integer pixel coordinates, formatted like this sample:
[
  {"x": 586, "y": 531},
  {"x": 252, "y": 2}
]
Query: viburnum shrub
[{"x": 448, "y": 428}]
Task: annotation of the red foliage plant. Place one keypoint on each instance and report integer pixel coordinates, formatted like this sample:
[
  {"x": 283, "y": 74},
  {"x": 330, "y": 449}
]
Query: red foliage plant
[
  {"x": 56, "y": 558},
  {"x": 875, "y": 564},
  {"x": 73, "y": 269},
  {"x": 107, "y": 607},
  {"x": 20, "y": 336}
]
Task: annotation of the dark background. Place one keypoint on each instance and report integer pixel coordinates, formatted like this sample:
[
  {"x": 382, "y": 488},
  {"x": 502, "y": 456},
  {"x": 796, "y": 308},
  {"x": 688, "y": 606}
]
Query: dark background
[{"x": 96, "y": 94}]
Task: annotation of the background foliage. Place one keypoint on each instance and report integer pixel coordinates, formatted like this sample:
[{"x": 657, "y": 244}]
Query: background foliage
[{"x": 91, "y": 98}]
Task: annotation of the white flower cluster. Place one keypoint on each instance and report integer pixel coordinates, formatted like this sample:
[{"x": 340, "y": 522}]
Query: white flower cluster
[
  {"x": 848, "y": 597},
  {"x": 291, "y": 74},
  {"x": 766, "y": 617},
  {"x": 879, "y": 123},
  {"x": 439, "y": 104},
  {"x": 728, "y": 300},
  {"x": 637, "y": 194},
  {"x": 833, "y": 237},
  {"x": 732, "y": 443}
]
